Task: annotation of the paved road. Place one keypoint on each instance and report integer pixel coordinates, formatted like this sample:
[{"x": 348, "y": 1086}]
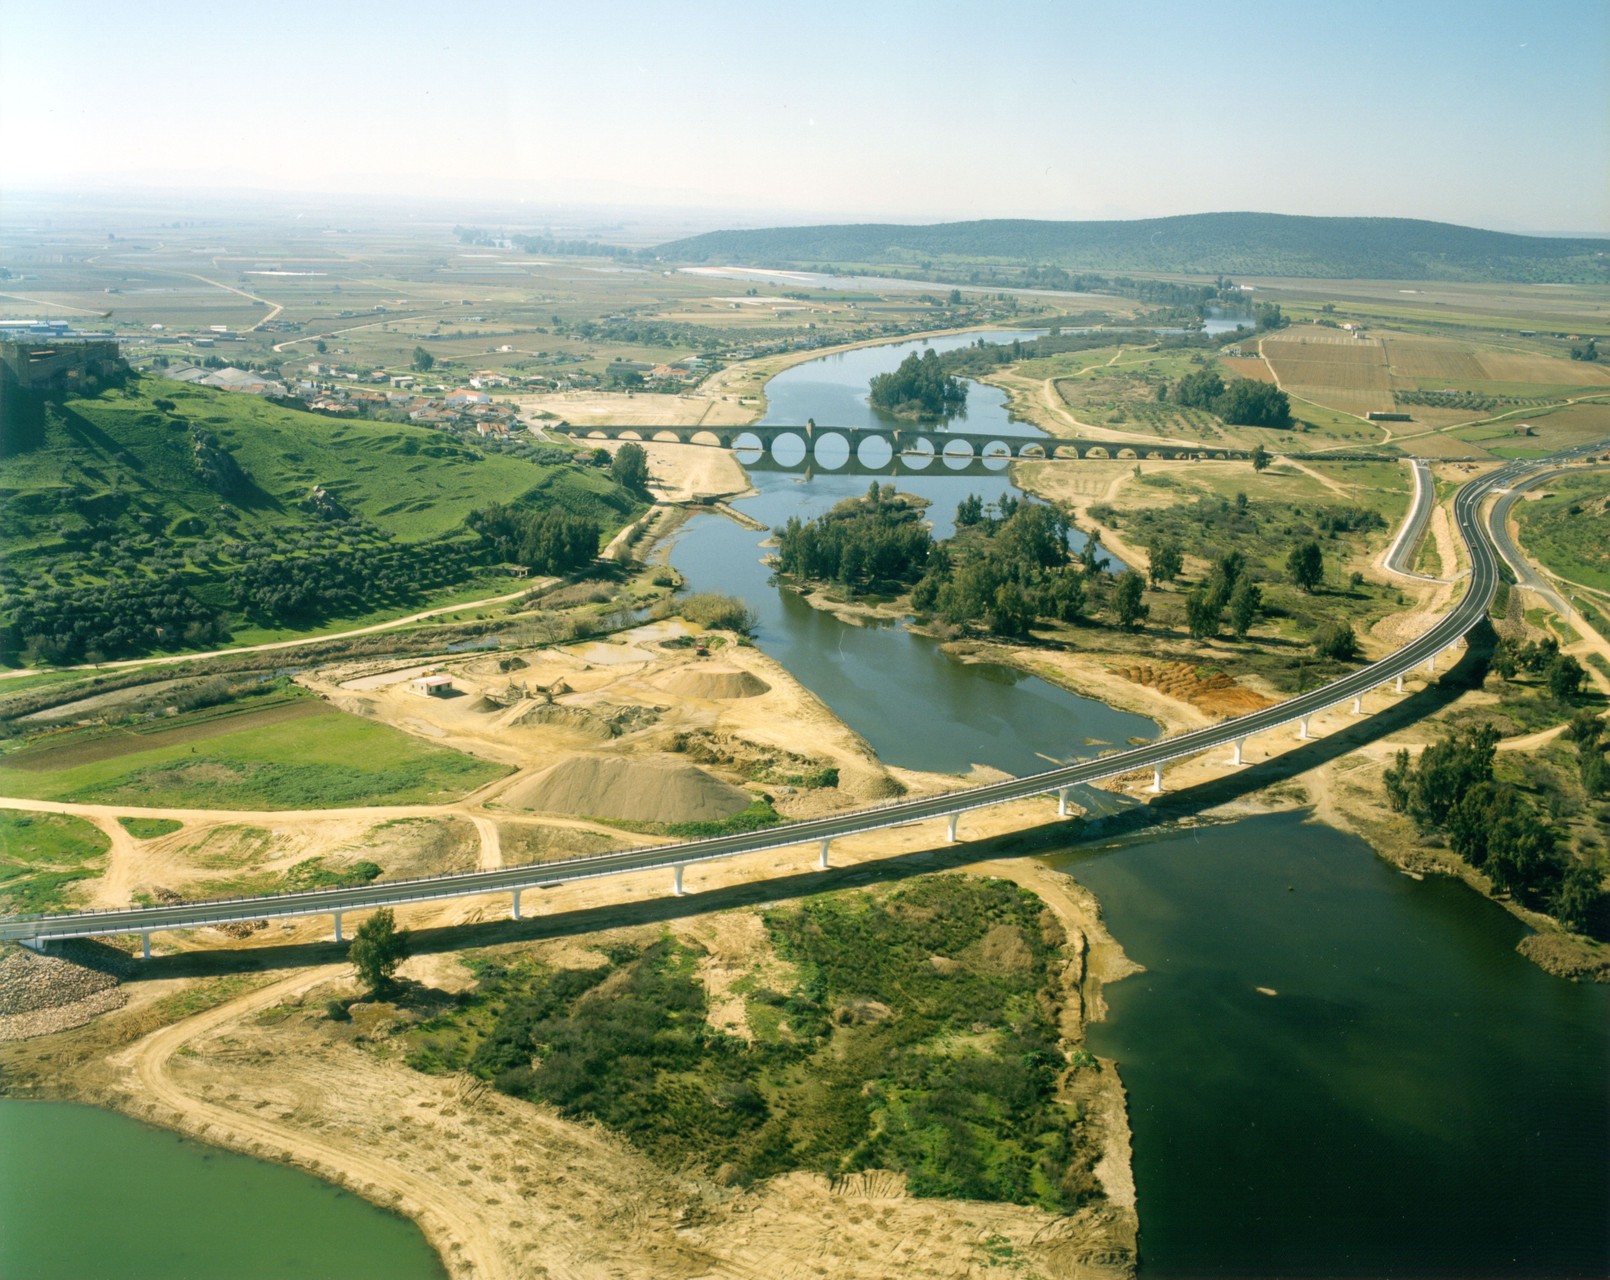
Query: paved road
[
  {"x": 1525, "y": 574},
  {"x": 1401, "y": 557},
  {"x": 1465, "y": 614}
]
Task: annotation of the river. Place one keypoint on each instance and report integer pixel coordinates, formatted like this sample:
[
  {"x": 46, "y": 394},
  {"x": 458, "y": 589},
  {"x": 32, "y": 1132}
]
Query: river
[
  {"x": 1414, "y": 1098},
  {"x": 85, "y": 1192}
]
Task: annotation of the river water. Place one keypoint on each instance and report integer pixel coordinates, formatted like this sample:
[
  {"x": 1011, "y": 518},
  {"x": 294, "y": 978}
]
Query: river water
[
  {"x": 1415, "y": 1099},
  {"x": 85, "y": 1192}
]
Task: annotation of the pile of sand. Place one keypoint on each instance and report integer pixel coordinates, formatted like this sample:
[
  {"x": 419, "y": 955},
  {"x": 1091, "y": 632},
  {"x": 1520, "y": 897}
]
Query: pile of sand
[
  {"x": 652, "y": 790},
  {"x": 714, "y": 682}
]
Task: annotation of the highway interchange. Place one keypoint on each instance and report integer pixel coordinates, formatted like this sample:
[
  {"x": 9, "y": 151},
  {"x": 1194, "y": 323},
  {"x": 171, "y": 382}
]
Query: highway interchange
[{"x": 1470, "y": 608}]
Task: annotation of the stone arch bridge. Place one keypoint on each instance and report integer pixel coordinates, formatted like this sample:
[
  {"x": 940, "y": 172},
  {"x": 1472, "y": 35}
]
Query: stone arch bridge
[{"x": 832, "y": 448}]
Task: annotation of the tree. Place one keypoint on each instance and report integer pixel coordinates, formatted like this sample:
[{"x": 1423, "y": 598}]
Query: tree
[
  {"x": 1201, "y": 615},
  {"x": 1586, "y": 728},
  {"x": 1336, "y": 640},
  {"x": 423, "y": 361},
  {"x": 1127, "y": 602},
  {"x": 1166, "y": 562},
  {"x": 320, "y": 346},
  {"x": 376, "y": 951},
  {"x": 1577, "y": 897},
  {"x": 1564, "y": 676},
  {"x": 629, "y": 467},
  {"x": 1245, "y": 603},
  {"x": 1306, "y": 565},
  {"x": 1260, "y": 458}
]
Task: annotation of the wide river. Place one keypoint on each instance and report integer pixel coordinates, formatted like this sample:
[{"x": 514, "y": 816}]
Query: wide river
[{"x": 1332, "y": 1069}]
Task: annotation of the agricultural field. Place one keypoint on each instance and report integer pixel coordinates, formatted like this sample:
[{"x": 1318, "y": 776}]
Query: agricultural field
[
  {"x": 1330, "y": 368},
  {"x": 290, "y": 751},
  {"x": 1528, "y": 434}
]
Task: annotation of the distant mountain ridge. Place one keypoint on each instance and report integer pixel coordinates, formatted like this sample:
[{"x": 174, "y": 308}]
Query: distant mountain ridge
[{"x": 1235, "y": 244}]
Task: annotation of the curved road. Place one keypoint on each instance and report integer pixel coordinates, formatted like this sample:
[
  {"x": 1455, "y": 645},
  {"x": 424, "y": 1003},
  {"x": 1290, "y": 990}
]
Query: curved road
[{"x": 1464, "y": 615}]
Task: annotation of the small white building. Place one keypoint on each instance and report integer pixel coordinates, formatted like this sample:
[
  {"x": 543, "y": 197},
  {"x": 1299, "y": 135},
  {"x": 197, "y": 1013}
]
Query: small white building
[{"x": 437, "y": 686}]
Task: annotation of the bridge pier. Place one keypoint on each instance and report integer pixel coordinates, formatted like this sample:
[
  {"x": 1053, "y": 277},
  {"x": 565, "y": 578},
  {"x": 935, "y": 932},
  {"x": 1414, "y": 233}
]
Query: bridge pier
[
  {"x": 1400, "y": 684},
  {"x": 676, "y": 880},
  {"x": 1302, "y": 728},
  {"x": 338, "y": 936},
  {"x": 1358, "y": 705},
  {"x": 1239, "y": 744},
  {"x": 1157, "y": 779},
  {"x": 514, "y": 905},
  {"x": 1062, "y": 803},
  {"x": 1431, "y": 664},
  {"x": 145, "y": 944},
  {"x": 950, "y": 829},
  {"x": 821, "y": 860}
]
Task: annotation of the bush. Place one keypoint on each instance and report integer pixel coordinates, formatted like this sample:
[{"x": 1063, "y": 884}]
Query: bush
[
  {"x": 1336, "y": 640},
  {"x": 717, "y": 612}
]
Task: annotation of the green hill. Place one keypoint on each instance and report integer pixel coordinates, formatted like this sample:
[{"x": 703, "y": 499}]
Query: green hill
[
  {"x": 1236, "y": 244},
  {"x": 158, "y": 515}
]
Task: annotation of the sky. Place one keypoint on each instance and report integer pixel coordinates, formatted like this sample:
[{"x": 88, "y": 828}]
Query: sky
[{"x": 1489, "y": 113}]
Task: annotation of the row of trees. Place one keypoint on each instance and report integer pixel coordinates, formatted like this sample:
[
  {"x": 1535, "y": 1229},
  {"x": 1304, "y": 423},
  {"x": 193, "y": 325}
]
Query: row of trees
[{"x": 1241, "y": 401}]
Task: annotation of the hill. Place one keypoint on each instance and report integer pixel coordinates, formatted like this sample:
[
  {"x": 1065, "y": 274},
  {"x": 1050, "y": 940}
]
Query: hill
[
  {"x": 162, "y": 515},
  {"x": 1267, "y": 244}
]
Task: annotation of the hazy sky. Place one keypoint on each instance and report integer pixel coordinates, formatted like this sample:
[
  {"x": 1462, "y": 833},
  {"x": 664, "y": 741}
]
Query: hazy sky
[{"x": 1487, "y": 112}]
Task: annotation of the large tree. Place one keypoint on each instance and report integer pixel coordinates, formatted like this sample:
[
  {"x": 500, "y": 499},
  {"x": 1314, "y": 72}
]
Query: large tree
[
  {"x": 1306, "y": 565},
  {"x": 629, "y": 467},
  {"x": 376, "y": 951}
]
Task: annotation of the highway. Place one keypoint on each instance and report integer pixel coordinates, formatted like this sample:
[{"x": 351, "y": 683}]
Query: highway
[
  {"x": 1466, "y": 613},
  {"x": 1400, "y": 558},
  {"x": 1522, "y": 569}
]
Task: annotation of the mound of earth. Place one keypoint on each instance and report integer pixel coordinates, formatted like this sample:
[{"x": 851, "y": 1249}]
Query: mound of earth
[
  {"x": 1212, "y": 691},
  {"x": 631, "y": 790},
  {"x": 714, "y": 682},
  {"x": 605, "y": 721}
]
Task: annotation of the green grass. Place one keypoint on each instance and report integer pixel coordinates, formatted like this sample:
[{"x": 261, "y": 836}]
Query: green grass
[
  {"x": 149, "y": 828},
  {"x": 42, "y": 855},
  {"x": 326, "y": 759}
]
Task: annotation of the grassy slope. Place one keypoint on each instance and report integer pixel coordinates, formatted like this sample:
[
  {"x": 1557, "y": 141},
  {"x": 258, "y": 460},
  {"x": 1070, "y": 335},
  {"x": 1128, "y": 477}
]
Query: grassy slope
[
  {"x": 116, "y": 440},
  {"x": 1569, "y": 529}
]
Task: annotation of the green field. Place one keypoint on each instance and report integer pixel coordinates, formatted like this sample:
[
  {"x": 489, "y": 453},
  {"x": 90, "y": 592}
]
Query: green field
[
  {"x": 42, "y": 855},
  {"x": 301, "y": 754},
  {"x": 1568, "y": 529}
]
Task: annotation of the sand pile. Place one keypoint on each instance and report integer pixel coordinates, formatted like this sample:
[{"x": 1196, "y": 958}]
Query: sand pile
[
  {"x": 654, "y": 790},
  {"x": 41, "y": 994},
  {"x": 714, "y": 682}
]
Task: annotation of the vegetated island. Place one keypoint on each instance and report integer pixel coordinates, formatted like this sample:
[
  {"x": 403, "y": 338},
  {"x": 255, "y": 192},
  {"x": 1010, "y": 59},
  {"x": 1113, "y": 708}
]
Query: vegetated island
[{"x": 920, "y": 389}]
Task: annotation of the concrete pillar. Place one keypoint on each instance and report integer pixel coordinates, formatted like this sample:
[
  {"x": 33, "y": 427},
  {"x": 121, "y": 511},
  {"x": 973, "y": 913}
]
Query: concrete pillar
[
  {"x": 1157, "y": 779},
  {"x": 1431, "y": 664},
  {"x": 821, "y": 860},
  {"x": 1239, "y": 744},
  {"x": 338, "y": 936},
  {"x": 1302, "y": 728},
  {"x": 145, "y": 944},
  {"x": 1358, "y": 705},
  {"x": 1062, "y": 803},
  {"x": 1400, "y": 684},
  {"x": 950, "y": 831},
  {"x": 514, "y": 905},
  {"x": 676, "y": 881}
]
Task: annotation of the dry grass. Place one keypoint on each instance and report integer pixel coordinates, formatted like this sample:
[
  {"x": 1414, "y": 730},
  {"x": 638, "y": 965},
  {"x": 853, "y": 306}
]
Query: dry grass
[{"x": 1247, "y": 367}]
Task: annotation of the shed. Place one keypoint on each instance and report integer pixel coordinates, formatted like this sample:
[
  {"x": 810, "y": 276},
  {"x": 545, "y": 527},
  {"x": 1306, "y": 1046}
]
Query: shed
[{"x": 437, "y": 686}]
